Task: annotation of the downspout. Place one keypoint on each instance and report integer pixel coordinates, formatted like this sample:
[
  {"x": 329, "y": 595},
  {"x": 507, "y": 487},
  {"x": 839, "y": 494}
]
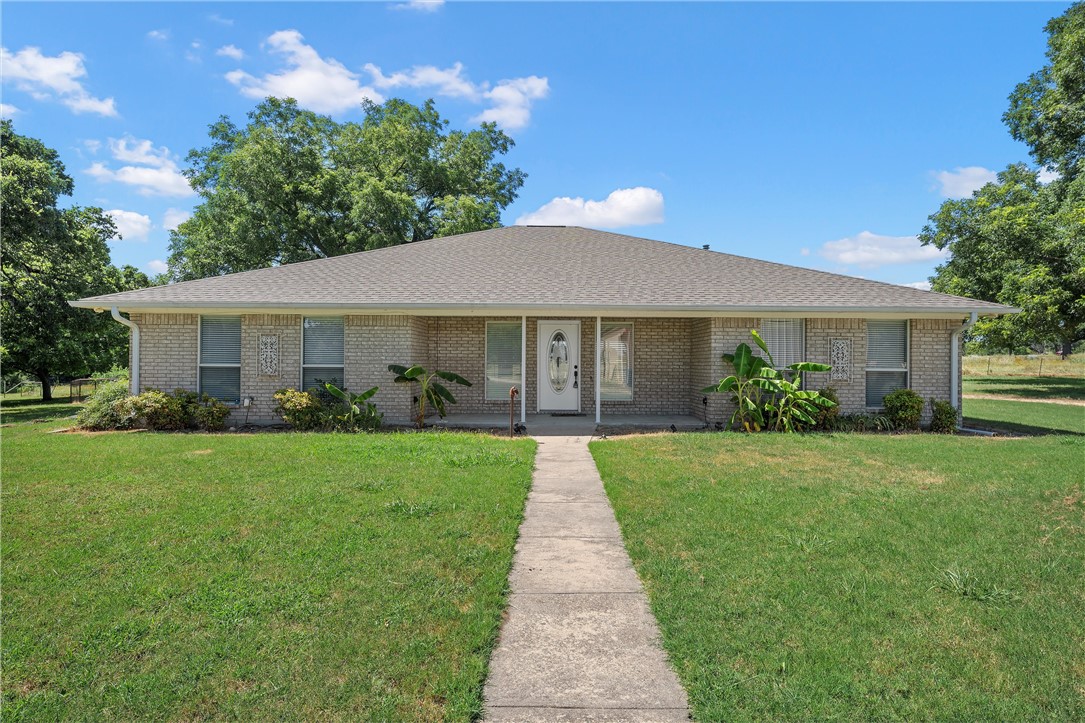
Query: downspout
[
  {"x": 955, "y": 362},
  {"x": 135, "y": 347}
]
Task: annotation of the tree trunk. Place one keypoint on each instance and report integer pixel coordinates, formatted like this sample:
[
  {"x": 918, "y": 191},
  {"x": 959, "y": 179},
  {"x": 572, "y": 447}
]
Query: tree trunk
[
  {"x": 46, "y": 390},
  {"x": 1067, "y": 348}
]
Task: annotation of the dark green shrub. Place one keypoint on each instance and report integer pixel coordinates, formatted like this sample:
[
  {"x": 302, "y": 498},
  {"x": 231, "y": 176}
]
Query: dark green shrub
[
  {"x": 104, "y": 409},
  {"x": 825, "y": 420},
  {"x": 862, "y": 422},
  {"x": 904, "y": 408},
  {"x": 161, "y": 412},
  {"x": 943, "y": 417},
  {"x": 301, "y": 410},
  {"x": 210, "y": 414},
  {"x": 356, "y": 413}
]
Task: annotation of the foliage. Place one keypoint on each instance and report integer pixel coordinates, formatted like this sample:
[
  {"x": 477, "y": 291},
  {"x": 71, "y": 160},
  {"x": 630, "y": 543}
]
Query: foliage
[
  {"x": 943, "y": 417},
  {"x": 765, "y": 398},
  {"x": 904, "y": 408},
  {"x": 360, "y": 414},
  {"x": 50, "y": 255},
  {"x": 293, "y": 185},
  {"x": 825, "y": 419},
  {"x": 301, "y": 410},
  {"x": 862, "y": 422},
  {"x": 431, "y": 393},
  {"x": 104, "y": 408},
  {"x": 116, "y": 371},
  {"x": 162, "y": 412}
]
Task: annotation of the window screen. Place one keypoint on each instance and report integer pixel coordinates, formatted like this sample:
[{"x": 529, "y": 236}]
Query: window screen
[
  {"x": 784, "y": 338},
  {"x": 886, "y": 359},
  {"x": 322, "y": 352},
  {"x": 503, "y": 359},
  {"x": 616, "y": 361},
  {"x": 220, "y": 358}
]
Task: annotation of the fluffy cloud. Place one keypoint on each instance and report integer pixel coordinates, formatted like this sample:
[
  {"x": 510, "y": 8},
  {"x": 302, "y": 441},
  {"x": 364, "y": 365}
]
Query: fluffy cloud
[
  {"x": 449, "y": 82},
  {"x": 174, "y": 217},
  {"x": 1046, "y": 175},
  {"x": 151, "y": 170},
  {"x": 638, "y": 206},
  {"x": 868, "y": 250},
  {"x": 157, "y": 266},
  {"x": 7, "y": 110},
  {"x": 231, "y": 51},
  {"x": 962, "y": 181},
  {"x": 131, "y": 226},
  {"x": 219, "y": 20},
  {"x": 158, "y": 35},
  {"x": 921, "y": 285},
  {"x": 324, "y": 85},
  {"x": 512, "y": 101},
  {"x": 45, "y": 77},
  {"x": 425, "y": 6}
]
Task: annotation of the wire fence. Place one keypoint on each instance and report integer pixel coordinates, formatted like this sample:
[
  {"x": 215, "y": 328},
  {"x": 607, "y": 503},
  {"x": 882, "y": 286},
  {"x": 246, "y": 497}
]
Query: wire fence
[{"x": 1024, "y": 365}]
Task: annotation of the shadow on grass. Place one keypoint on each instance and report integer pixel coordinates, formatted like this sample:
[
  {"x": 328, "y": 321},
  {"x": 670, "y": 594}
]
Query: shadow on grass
[
  {"x": 35, "y": 410},
  {"x": 1028, "y": 387},
  {"x": 1014, "y": 428}
]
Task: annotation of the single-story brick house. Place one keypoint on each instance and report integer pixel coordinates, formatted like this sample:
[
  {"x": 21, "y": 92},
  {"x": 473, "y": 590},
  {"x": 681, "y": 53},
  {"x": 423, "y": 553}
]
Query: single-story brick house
[{"x": 582, "y": 321}]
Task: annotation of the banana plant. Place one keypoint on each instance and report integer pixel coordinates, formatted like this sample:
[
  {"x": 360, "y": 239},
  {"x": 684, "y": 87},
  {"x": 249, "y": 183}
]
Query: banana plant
[
  {"x": 431, "y": 392},
  {"x": 360, "y": 412}
]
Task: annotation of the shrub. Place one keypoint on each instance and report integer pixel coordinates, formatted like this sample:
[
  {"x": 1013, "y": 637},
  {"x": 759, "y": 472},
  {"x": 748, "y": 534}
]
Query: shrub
[
  {"x": 825, "y": 419},
  {"x": 115, "y": 372},
  {"x": 861, "y": 422},
  {"x": 943, "y": 417},
  {"x": 104, "y": 409},
  {"x": 356, "y": 413},
  {"x": 161, "y": 412},
  {"x": 904, "y": 408},
  {"x": 210, "y": 414},
  {"x": 301, "y": 410}
]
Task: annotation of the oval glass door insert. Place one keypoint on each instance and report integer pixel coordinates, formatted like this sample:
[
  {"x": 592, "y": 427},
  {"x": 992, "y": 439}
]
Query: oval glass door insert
[{"x": 558, "y": 361}]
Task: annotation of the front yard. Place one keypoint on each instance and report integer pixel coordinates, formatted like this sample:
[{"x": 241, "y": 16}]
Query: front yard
[
  {"x": 192, "y": 576},
  {"x": 861, "y": 577}
]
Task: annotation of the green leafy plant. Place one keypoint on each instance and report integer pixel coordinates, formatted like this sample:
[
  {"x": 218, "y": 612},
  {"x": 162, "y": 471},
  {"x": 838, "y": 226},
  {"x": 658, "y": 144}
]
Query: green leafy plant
[
  {"x": 766, "y": 398},
  {"x": 862, "y": 422},
  {"x": 301, "y": 410},
  {"x": 825, "y": 420},
  {"x": 943, "y": 417},
  {"x": 431, "y": 392},
  {"x": 156, "y": 410},
  {"x": 102, "y": 410},
  {"x": 904, "y": 408},
  {"x": 360, "y": 413}
]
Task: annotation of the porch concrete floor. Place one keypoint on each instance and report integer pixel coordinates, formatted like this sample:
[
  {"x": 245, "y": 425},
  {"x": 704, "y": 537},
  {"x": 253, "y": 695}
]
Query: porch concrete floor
[{"x": 546, "y": 425}]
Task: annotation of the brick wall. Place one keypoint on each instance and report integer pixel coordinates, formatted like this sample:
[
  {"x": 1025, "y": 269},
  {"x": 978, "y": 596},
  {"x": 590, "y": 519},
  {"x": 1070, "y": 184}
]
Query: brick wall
[
  {"x": 371, "y": 344},
  {"x": 168, "y": 347},
  {"x": 930, "y": 352},
  {"x": 850, "y": 392},
  {"x": 262, "y": 387}
]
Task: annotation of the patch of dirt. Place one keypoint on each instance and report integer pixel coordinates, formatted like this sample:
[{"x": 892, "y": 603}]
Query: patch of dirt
[
  {"x": 89, "y": 433},
  {"x": 201, "y": 451},
  {"x": 1012, "y": 398}
]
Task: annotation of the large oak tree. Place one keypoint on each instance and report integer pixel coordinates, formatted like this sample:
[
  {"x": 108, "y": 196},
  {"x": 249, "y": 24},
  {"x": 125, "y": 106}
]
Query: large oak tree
[{"x": 293, "y": 185}]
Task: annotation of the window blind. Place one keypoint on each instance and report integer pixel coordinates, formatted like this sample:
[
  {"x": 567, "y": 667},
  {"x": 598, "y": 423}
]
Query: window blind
[
  {"x": 887, "y": 360},
  {"x": 322, "y": 352},
  {"x": 503, "y": 361},
  {"x": 220, "y": 358},
  {"x": 784, "y": 338},
  {"x": 616, "y": 361}
]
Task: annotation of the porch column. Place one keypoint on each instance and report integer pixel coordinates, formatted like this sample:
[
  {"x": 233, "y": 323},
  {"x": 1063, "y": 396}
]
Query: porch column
[
  {"x": 523, "y": 370},
  {"x": 598, "y": 366}
]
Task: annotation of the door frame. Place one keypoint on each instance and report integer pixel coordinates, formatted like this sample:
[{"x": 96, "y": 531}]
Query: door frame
[{"x": 540, "y": 378}]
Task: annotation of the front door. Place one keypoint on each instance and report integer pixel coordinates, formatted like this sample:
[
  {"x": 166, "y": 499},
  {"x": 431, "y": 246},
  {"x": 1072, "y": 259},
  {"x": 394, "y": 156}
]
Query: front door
[{"x": 559, "y": 366}]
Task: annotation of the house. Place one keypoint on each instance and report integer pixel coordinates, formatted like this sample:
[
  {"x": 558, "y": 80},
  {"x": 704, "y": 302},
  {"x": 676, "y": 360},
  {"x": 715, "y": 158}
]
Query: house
[{"x": 582, "y": 321}]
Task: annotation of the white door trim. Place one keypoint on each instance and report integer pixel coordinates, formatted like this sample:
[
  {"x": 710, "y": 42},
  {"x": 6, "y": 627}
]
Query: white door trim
[{"x": 572, "y": 328}]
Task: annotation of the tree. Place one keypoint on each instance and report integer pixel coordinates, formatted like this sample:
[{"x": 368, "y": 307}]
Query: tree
[
  {"x": 50, "y": 255},
  {"x": 1018, "y": 241},
  {"x": 293, "y": 185}
]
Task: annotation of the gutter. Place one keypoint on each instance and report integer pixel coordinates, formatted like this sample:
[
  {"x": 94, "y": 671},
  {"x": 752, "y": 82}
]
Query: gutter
[
  {"x": 955, "y": 363},
  {"x": 134, "y": 389}
]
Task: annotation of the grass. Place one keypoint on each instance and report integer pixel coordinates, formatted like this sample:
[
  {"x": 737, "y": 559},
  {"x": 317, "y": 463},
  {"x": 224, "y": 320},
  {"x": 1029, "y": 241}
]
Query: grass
[
  {"x": 1027, "y": 387},
  {"x": 861, "y": 577},
  {"x": 1024, "y": 417},
  {"x": 1032, "y": 365},
  {"x": 35, "y": 410},
  {"x": 194, "y": 576}
]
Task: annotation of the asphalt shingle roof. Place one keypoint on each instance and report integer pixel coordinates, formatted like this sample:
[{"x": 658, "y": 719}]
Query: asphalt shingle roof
[{"x": 526, "y": 267}]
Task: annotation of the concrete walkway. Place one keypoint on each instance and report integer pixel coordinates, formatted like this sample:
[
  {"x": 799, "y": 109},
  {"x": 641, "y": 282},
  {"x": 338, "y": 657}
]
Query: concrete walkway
[{"x": 579, "y": 643}]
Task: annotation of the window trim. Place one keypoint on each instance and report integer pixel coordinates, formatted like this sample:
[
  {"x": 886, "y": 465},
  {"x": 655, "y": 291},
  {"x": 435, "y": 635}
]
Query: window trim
[
  {"x": 199, "y": 353},
  {"x": 486, "y": 358},
  {"x": 632, "y": 361},
  {"x": 301, "y": 357},
  {"x": 907, "y": 359},
  {"x": 802, "y": 337}
]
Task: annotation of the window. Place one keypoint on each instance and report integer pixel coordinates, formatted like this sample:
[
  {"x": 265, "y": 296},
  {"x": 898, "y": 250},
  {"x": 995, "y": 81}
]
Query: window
[
  {"x": 503, "y": 359},
  {"x": 886, "y": 359},
  {"x": 321, "y": 352},
  {"x": 784, "y": 338},
  {"x": 220, "y": 358},
  {"x": 616, "y": 361}
]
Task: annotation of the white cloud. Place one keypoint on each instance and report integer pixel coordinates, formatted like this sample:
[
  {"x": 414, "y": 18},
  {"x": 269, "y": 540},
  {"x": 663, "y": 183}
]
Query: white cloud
[
  {"x": 804, "y": 251},
  {"x": 921, "y": 285},
  {"x": 92, "y": 145},
  {"x": 159, "y": 35},
  {"x": 512, "y": 101},
  {"x": 174, "y": 217},
  {"x": 324, "y": 85},
  {"x": 151, "y": 170},
  {"x": 962, "y": 181},
  {"x": 7, "y": 110},
  {"x": 868, "y": 250},
  {"x": 1046, "y": 175},
  {"x": 638, "y": 206},
  {"x": 425, "y": 6},
  {"x": 231, "y": 51},
  {"x": 157, "y": 266},
  {"x": 448, "y": 81},
  {"x": 131, "y": 226},
  {"x": 216, "y": 18},
  {"x": 44, "y": 77}
]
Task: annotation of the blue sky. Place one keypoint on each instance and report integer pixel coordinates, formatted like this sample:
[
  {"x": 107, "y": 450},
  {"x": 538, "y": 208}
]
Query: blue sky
[{"x": 820, "y": 135}]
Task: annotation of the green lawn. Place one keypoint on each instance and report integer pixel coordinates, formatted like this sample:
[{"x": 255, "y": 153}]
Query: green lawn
[
  {"x": 861, "y": 577},
  {"x": 1024, "y": 417},
  {"x": 1028, "y": 387},
  {"x": 272, "y": 576}
]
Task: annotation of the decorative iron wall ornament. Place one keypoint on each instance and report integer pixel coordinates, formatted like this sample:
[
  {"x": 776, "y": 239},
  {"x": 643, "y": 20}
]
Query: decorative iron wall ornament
[
  {"x": 840, "y": 359},
  {"x": 269, "y": 355}
]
